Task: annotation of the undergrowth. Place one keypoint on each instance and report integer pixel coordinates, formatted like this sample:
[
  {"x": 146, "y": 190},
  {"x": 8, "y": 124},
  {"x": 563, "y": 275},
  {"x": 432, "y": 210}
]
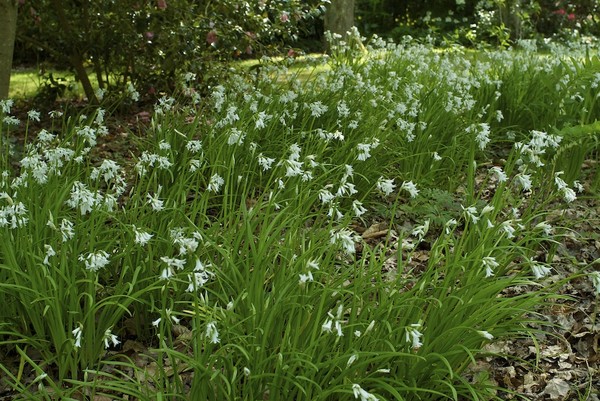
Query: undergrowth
[{"x": 227, "y": 262}]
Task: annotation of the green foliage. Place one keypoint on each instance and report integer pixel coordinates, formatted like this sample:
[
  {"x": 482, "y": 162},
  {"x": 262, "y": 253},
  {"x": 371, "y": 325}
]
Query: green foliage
[
  {"x": 578, "y": 144},
  {"x": 434, "y": 205},
  {"x": 480, "y": 22},
  {"x": 51, "y": 89},
  {"x": 232, "y": 249},
  {"x": 150, "y": 43}
]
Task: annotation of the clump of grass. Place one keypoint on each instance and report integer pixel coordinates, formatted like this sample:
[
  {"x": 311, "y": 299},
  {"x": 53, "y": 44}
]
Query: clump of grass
[{"x": 230, "y": 247}]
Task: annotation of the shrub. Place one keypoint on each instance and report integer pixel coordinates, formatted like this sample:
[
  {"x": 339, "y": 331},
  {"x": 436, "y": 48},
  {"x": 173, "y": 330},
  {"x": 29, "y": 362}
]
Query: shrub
[{"x": 148, "y": 43}]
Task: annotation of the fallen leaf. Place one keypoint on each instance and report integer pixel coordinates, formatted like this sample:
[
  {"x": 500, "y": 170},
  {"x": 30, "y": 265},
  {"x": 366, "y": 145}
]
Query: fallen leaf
[{"x": 557, "y": 389}]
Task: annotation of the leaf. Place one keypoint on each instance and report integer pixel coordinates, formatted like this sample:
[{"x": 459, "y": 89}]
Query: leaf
[{"x": 557, "y": 389}]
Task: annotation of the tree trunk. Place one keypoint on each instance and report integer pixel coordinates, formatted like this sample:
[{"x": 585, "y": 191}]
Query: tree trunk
[
  {"x": 509, "y": 16},
  {"x": 81, "y": 73},
  {"x": 339, "y": 17},
  {"x": 8, "y": 28},
  {"x": 75, "y": 56}
]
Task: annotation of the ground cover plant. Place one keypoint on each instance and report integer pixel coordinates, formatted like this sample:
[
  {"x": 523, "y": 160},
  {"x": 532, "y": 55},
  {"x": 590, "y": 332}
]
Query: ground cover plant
[{"x": 266, "y": 241}]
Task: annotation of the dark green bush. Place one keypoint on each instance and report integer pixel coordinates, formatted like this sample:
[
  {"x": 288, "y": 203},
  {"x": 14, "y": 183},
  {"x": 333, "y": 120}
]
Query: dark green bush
[{"x": 150, "y": 43}]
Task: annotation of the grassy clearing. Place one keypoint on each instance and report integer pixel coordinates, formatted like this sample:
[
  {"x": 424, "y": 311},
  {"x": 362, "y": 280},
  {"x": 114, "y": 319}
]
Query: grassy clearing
[
  {"x": 237, "y": 259},
  {"x": 26, "y": 83}
]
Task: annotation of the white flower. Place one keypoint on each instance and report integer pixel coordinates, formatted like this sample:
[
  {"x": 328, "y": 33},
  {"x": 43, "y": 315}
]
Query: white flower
[
  {"x": 187, "y": 245},
  {"x": 311, "y": 161},
  {"x": 352, "y": 359},
  {"x": 499, "y": 115},
  {"x": 411, "y": 188},
  {"x": 524, "y": 181},
  {"x": 10, "y": 120},
  {"x": 507, "y": 227},
  {"x": 13, "y": 215},
  {"x": 539, "y": 270},
  {"x": 345, "y": 238},
  {"x": 359, "y": 392},
  {"x": 55, "y": 114},
  {"x": 312, "y": 264},
  {"x": 78, "y": 334},
  {"x": 485, "y": 334},
  {"x": 100, "y": 93},
  {"x": 178, "y": 264},
  {"x": 156, "y": 204},
  {"x": 568, "y": 194},
  {"x": 166, "y": 273},
  {"x": 262, "y": 119},
  {"x": 156, "y": 322},
  {"x": 83, "y": 198},
  {"x": 194, "y": 165},
  {"x": 499, "y": 174},
  {"x": 306, "y": 277},
  {"x": 39, "y": 168},
  {"x": 141, "y": 237},
  {"x": 413, "y": 335},
  {"x": 334, "y": 211},
  {"x": 386, "y": 186},
  {"x": 545, "y": 227},
  {"x": 194, "y": 146},
  {"x": 317, "y": 109},
  {"x": 577, "y": 185},
  {"x": 343, "y": 109},
  {"x": 236, "y": 137},
  {"x": 364, "y": 149},
  {"x": 95, "y": 261},
  {"x": 293, "y": 168},
  {"x": 265, "y": 162},
  {"x": 133, "y": 94},
  {"x": 325, "y": 196},
  {"x": 66, "y": 230},
  {"x": 109, "y": 337},
  {"x": 200, "y": 277},
  {"x": 358, "y": 208},
  {"x": 327, "y": 325},
  {"x": 334, "y": 322},
  {"x": 215, "y": 183},
  {"x": 420, "y": 231},
  {"x": 212, "y": 333},
  {"x": 471, "y": 212},
  {"x": 346, "y": 189},
  {"x": 348, "y": 172},
  {"x": 489, "y": 263},
  {"x": 449, "y": 225},
  {"x": 482, "y": 134},
  {"x": 5, "y": 105},
  {"x": 88, "y": 134},
  {"x": 370, "y": 327},
  {"x": 487, "y": 209},
  {"x": 45, "y": 137},
  {"x": 108, "y": 169},
  {"x": 164, "y": 145},
  {"x": 49, "y": 252},
  {"x": 170, "y": 315},
  {"x": 33, "y": 115},
  {"x": 560, "y": 183},
  {"x": 329, "y": 136}
]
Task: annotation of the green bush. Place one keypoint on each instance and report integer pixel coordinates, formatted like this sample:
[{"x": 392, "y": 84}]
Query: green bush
[{"x": 149, "y": 43}]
